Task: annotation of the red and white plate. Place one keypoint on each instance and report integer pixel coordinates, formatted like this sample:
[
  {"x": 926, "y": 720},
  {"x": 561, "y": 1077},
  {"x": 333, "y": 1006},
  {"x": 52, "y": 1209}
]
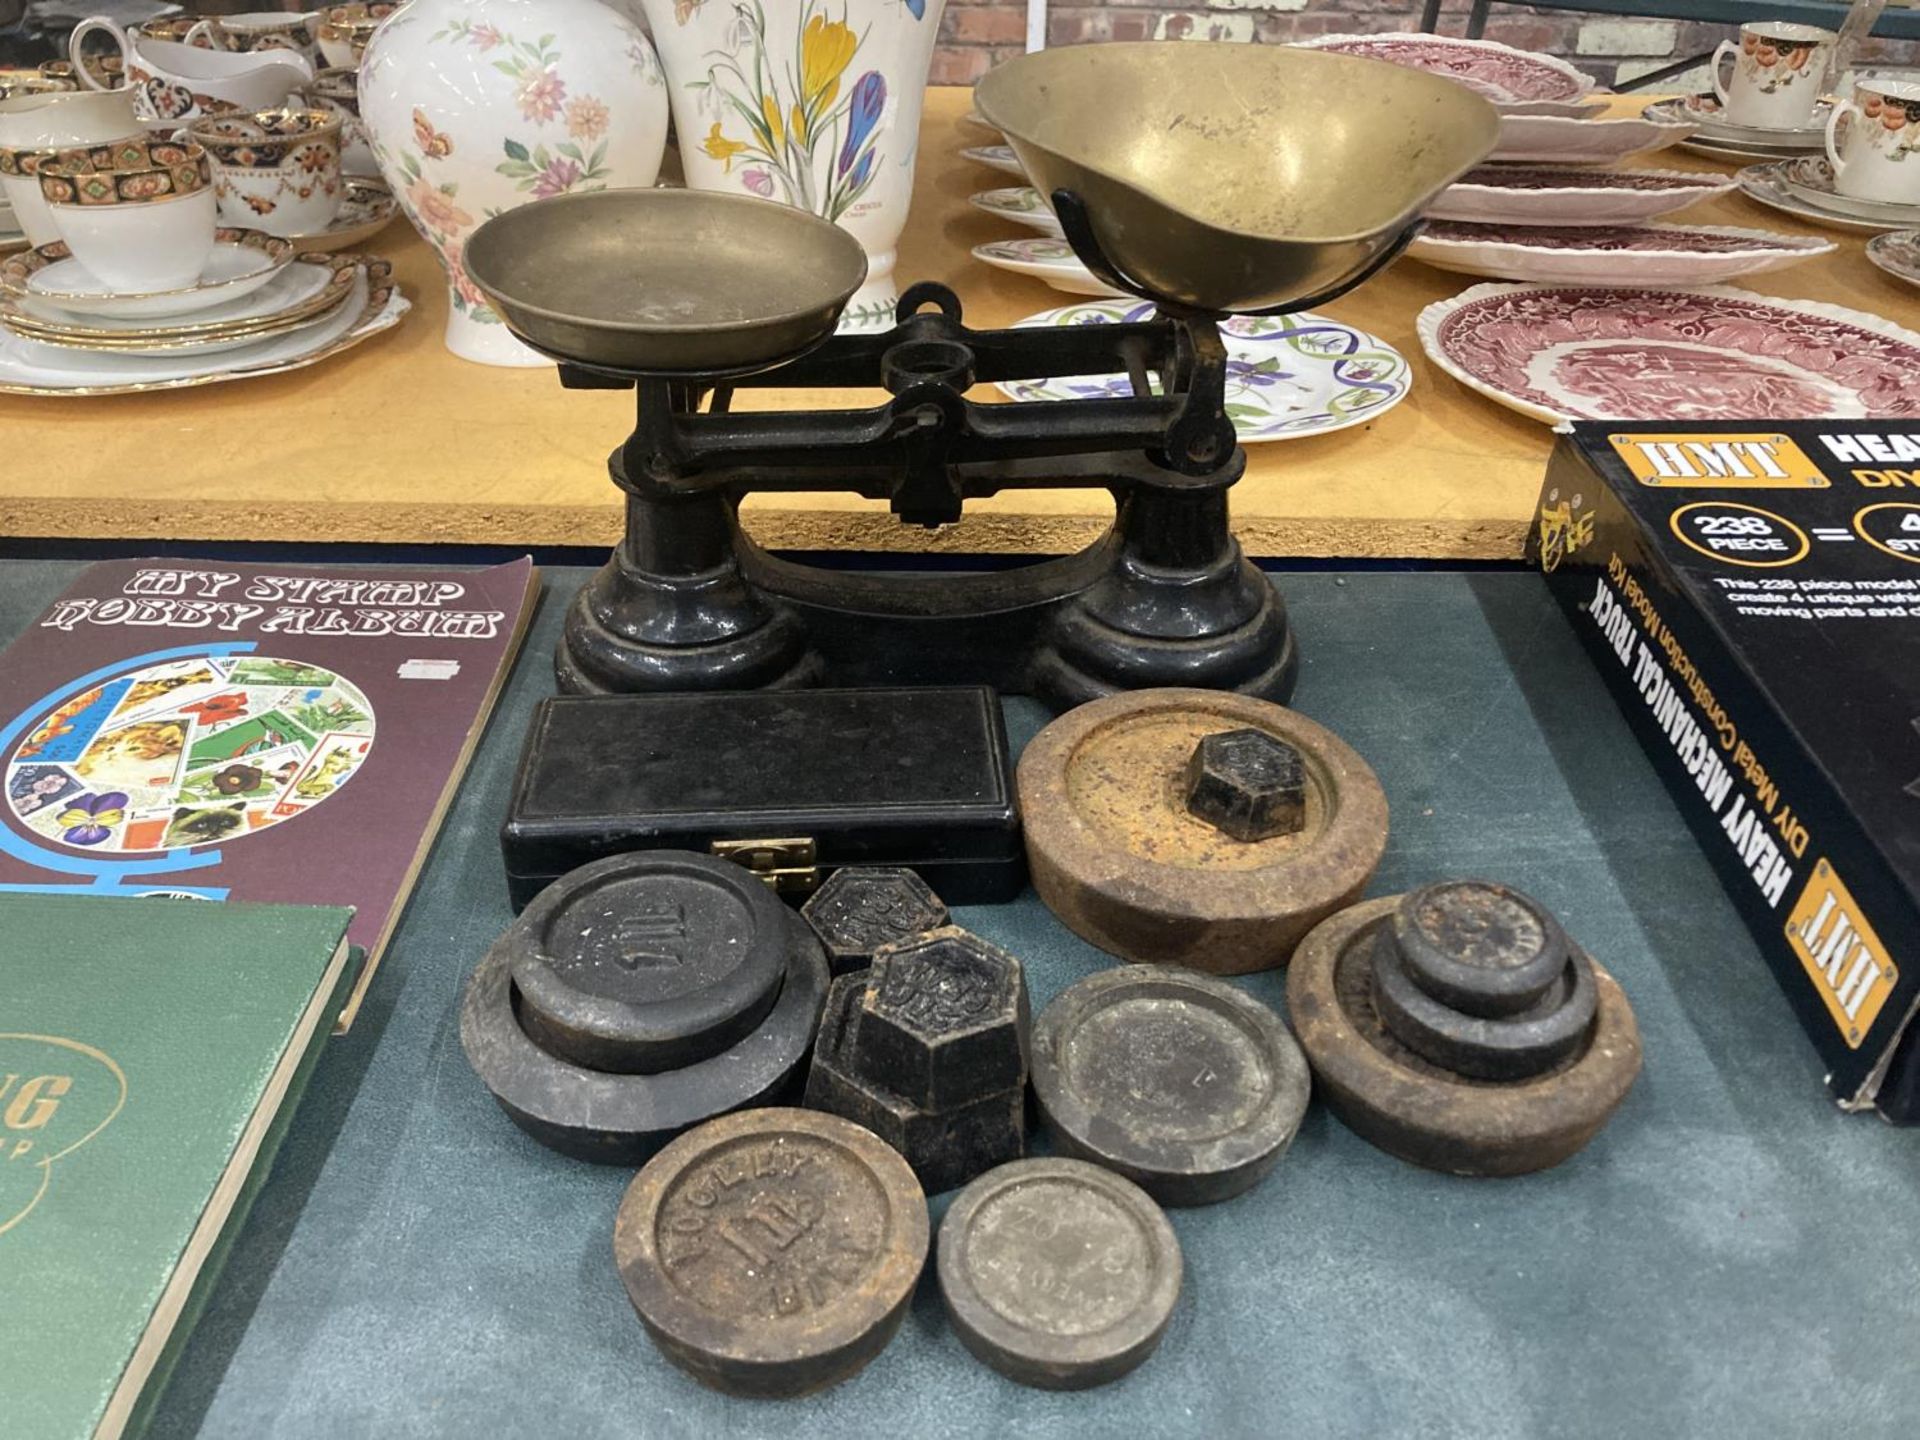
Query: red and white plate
[
  {"x": 1567, "y": 195},
  {"x": 1560, "y": 353},
  {"x": 1612, "y": 254},
  {"x": 1519, "y": 81},
  {"x": 1570, "y": 140}
]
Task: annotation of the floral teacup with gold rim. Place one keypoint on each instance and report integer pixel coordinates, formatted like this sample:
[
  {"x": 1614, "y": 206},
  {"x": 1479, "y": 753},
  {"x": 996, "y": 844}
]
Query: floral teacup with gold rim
[
  {"x": 137, "y": 213},
  {"x": 275, "y": 170}
]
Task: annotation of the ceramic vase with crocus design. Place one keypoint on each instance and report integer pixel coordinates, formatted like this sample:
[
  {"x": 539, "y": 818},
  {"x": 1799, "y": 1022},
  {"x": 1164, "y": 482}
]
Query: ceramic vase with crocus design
[
  {"x": 472, "y": 107},
  {"x": 812, "y": 102}
]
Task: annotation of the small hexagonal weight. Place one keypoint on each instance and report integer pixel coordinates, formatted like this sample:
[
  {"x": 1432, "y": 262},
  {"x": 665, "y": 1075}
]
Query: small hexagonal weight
[
  {"x": 862, "y": 907},
  {"x": 1247, "y": 784},
  {"x": 944, "y": 1020}
]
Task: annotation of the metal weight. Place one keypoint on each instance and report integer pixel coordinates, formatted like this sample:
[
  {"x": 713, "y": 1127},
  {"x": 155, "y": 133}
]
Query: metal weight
[{"x": 859, "y": 908}]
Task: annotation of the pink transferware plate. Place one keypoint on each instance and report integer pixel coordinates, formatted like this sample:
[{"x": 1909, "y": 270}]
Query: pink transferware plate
[
  {"x": 1560, "y": 353},
  {"x": 1568, "y": 195},
  {"x": 1898, "y": 254},
  {"x": 1570, "y": 140},
  {"x": 1611, "y": 254},
  {"x": 1516, "y": 80}
]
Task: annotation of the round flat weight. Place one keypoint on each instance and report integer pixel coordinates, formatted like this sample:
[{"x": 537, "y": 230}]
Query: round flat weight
[
  {"x": 1057, "y": 1273},
  {"x": 1117, "y": 857},
  {"x": 648, "y": 962},
  {"x": 1182, "y": 1083},
  {"x": 623, "y": 1118},
  {"x": 1481, "y": 948},
  {"x": 1505, "y": 1047},
  {"x": 1412, "y": 1108},
  {"x": 772, "y": 1253}
]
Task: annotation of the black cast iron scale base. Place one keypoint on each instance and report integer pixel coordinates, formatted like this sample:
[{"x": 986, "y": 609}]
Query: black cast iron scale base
[{"x": 689, "y": 602}]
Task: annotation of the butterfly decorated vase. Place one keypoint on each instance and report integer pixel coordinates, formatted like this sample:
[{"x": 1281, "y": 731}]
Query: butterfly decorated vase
[
  {"x": 472, "y": 107},
  {"x": 815, "y": 103}
]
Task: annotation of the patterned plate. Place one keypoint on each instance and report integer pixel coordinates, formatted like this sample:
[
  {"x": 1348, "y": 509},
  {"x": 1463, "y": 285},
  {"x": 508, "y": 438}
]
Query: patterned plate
[
  {"x": 1766, "y": 185},
  {"x": 1567, "y": 195},
  {"x": 1506, "y": 76},
  {"x": 241, "y": 262},
  {"x": 1898, "y": 254},
  {"x": 1045, "y": 259},
  {"x": 1000, "y": 157},
  {"x": 1611, "y": 255},
  {"x": 1022, "y": 204},
  {"x": 1560, "y": 353},
  {"x": 1564, "y": 140},
  {"x": 1286, "y": 376}
]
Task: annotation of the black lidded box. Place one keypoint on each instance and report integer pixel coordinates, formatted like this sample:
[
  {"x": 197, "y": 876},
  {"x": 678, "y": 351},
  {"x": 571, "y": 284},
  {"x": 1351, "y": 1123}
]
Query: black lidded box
[{"x": 794, "y": 783}]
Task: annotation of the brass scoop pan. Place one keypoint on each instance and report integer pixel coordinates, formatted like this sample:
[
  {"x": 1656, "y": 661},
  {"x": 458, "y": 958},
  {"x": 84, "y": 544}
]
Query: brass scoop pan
[
  {"x": 666, "y": 282},
  {"x": 1236, "y": 178}
]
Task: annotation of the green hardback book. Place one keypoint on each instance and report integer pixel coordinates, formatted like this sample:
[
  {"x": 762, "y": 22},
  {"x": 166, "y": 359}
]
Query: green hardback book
[{"x": 150, "y": 1054}]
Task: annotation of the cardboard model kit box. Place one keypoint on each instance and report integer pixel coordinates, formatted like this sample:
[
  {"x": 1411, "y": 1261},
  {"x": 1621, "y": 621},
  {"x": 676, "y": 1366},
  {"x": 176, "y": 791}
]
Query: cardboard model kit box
[{"x": 1752, "y": 596}]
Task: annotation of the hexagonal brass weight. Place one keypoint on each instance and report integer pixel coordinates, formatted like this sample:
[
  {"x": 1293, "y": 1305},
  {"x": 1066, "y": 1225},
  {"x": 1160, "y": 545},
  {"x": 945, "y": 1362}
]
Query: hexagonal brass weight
[{"x": 1117, "y": 854}]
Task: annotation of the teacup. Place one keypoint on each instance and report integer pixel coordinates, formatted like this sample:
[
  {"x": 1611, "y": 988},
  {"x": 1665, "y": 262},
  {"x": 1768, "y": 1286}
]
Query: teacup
[
  {"x": 34, "y": 127},
  {"x": 338, "y": 93},
  {"x": 275, "y": 170},
  {"x": 345, "y": 30},
  {"x": 175, "y": 28},
  {"x": 174, "y": 81},
  {"x": 261, "y": 30},
  {"x": 139, "y": 214},
  {"x": 1778, "y": 72},
  {"x": 1878, "y": 157}
]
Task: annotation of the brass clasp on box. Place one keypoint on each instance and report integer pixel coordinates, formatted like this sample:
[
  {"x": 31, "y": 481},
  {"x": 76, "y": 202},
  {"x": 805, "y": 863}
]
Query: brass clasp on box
[{"x": 788, "y": 866}]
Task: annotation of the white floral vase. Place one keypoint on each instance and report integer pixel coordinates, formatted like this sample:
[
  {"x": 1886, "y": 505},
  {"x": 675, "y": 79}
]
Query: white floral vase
[
  {"x": 812, "y": 102},
  {"x": 475, "y": 106}
]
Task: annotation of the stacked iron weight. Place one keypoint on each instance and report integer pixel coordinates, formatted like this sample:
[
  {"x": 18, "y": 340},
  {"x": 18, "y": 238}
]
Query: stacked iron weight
[{"x": 638, "y": 996}]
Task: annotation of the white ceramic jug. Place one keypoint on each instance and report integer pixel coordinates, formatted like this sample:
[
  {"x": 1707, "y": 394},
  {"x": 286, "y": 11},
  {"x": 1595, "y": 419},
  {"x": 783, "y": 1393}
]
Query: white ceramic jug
[
  {"x": 32, "y": 127},
  {"x": 171, "y": 81},
  {"x": 807, "y": 102}
]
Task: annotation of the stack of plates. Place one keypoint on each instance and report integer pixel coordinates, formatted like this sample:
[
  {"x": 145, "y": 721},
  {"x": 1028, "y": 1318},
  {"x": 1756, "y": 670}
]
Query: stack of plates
[
  {"x": 12, "y": 237},
  {"x": 1804, "y": 188},
  {"x": 1721, "y": 139},
  {"x": 1050, "y": 258},
  {"x": 256, "y": 309}
]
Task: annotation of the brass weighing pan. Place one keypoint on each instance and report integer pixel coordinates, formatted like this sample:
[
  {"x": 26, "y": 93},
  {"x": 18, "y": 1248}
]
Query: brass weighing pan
[
  {"x": 666, "y": 281},
  {"x": 1237, "y": 178}
]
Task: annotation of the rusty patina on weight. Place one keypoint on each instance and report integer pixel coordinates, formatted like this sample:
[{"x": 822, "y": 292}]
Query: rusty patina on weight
[
  {"x": 772, "y": 1253},
  {"x": 1423, "y": 1112},
  {"x": 1116, "y": 853}
]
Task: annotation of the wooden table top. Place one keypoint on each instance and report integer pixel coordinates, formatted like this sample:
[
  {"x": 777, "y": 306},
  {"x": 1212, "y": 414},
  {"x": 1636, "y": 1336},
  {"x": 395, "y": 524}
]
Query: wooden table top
[{"x": 398, "y": 441}]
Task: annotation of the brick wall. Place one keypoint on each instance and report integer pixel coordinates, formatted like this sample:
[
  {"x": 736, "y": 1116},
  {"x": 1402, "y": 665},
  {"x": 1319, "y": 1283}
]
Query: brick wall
[{"x": 977, "y": 34}]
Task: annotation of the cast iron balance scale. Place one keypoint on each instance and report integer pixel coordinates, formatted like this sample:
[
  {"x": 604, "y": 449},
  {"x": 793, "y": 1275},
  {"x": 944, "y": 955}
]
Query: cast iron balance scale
[{"x": 1210, "y": 180}]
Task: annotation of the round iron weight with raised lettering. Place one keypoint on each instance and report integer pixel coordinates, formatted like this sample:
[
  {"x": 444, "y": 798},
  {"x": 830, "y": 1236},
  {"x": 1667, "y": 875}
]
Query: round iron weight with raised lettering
[{"x": 772, "y": 1253}]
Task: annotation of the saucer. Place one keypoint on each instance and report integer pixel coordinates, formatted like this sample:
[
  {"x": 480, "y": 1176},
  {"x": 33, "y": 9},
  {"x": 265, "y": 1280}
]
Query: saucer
[
  {"x": 364, "y": 213},
  {"x": 242, "y": 261},
  {"x": 1021, "y": 203},
  {"x": 1045, "y": 259},
  {"x": 1737, "y": 154},
  {"x": 1000, "y": 157},
  {"x": 1766, "y": 185},
  {"x": 1810, "y": 179},
  {"x": 1709, "y": 115},
  {"x": 1898, "y": 254},
  {"x": 1287, "y": 375}
]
